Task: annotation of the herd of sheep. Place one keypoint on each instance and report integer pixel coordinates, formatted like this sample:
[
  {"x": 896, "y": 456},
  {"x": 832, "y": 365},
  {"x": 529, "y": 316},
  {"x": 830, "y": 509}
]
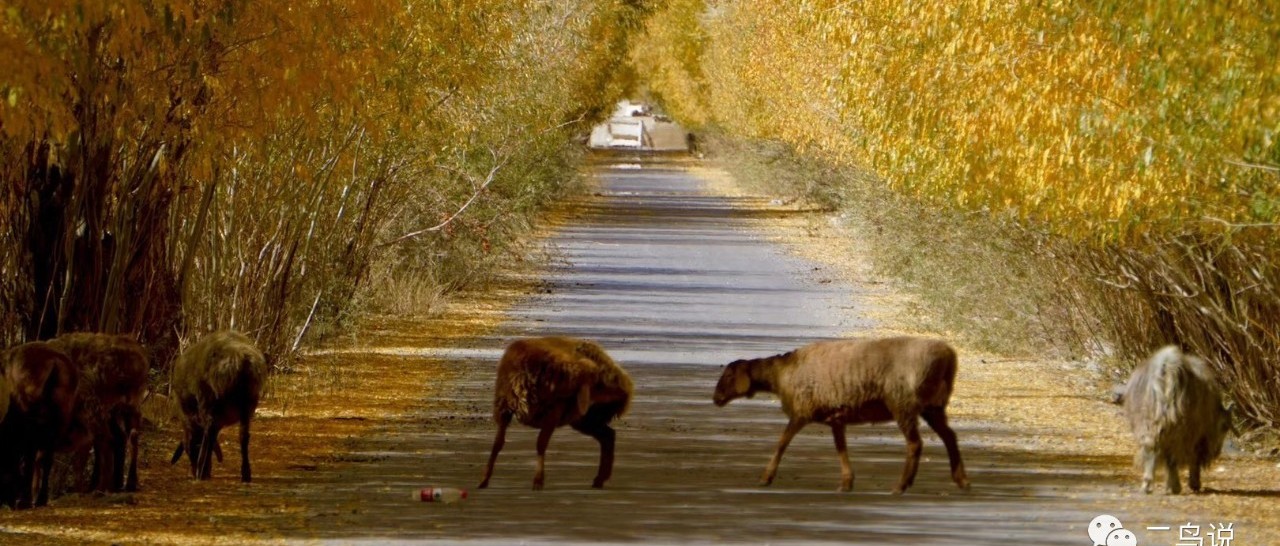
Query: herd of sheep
[
  {"x": 82, "y": 393},
  {"x": 1173, "y": 402}
]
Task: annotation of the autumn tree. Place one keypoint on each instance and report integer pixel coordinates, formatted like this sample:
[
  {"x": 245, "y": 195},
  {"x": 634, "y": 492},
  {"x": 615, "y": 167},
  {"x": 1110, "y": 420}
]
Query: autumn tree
[
  {"x": 173, "y": 167},
  {"x": 1134, "y": 144}
]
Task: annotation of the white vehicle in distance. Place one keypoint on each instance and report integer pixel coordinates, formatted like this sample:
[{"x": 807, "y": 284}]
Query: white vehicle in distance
[{"x": 627, "y": 133}]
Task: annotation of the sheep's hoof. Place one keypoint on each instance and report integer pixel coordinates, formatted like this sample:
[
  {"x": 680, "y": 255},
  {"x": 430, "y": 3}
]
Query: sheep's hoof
[
  {"x": 845, "y": 488},
  {"x": 899, "y": 490},
  {"x": 597, "y": 484},
  {"x": 963, "y": 485},
  {"x": 765, "y": 483},
  {"x": 537, "y": 486},
  {"x": 483, "y": 484},
  {"x": 1146, "y": 487}
]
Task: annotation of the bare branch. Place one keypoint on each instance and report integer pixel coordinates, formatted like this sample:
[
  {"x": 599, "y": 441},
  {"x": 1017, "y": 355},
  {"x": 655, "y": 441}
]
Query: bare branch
[
  {"x": 1248, "y": 165},
  {"x": 1235, "y": 225},
  {"x": 493, "y": 172},
  {"x": 297, "y": 341}
]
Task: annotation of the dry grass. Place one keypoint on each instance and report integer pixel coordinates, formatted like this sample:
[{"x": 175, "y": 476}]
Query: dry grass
[
  {"x": 967, "y": 278},
  {"x": 1133, "y": 145},
  {"x": 1064, "y": 402},
  {"x": 306, "y": 419}
]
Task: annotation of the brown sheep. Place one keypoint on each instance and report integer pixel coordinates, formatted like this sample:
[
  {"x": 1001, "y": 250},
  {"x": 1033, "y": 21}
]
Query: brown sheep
[
  {"x": 550, "y": 382},
  {"x": 217, "y": 382},
  {"x": 1174, "y": 405},
  {"x": 856, "y": 381},
  {"x": 41, "y": 383},
  {"x": 113, "y": 381},
  {"x": 5, "y": 392}
]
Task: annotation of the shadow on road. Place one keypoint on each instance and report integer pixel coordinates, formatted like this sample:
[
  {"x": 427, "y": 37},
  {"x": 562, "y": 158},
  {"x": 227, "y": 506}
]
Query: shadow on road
[{"x": 674, "y": 283}]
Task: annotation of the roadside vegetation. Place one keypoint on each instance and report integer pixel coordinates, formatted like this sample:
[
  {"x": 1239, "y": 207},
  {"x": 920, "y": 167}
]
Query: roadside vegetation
[
  {"x": 1104, "y": 177},
  {"x": 170, "y": 168}
]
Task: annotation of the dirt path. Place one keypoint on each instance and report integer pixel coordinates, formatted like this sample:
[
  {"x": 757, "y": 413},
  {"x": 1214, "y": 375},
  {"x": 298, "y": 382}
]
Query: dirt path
[{"x": 675, "y": 280}]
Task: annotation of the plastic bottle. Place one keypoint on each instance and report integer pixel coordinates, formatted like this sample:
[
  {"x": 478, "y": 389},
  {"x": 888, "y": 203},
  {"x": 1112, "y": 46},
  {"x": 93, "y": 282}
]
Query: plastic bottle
[{"x": 446, "y": 495}]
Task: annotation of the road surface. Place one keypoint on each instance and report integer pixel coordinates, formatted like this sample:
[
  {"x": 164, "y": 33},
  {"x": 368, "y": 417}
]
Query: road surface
[{"x": 675, "y": 283}]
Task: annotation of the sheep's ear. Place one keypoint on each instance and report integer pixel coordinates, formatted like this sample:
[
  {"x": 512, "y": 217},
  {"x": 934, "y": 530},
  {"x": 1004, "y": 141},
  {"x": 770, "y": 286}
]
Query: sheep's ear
[
  {"x": 742, "y": 383},
  {"x": 1117, "y": 395},
  {"x": 584, "y": 399},
  {"x": 1230, "y": 408}
]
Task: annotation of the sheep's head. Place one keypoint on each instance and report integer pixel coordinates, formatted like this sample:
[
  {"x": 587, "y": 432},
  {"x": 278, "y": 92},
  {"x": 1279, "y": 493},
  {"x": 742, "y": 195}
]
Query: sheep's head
[
  {"x": 1225, "y": 422},
  {"x": 734, "y": 383}
]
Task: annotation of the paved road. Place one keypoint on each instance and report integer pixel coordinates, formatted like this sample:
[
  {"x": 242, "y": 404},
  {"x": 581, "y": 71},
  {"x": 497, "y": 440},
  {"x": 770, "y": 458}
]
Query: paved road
[{"x": 675, "y": 283}]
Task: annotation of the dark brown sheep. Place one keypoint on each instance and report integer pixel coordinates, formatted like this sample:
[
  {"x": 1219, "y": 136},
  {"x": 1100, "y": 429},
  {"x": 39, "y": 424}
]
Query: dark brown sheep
[
  {"x": 217, "y": 382},
  {"x": 41, "y": 381},
  {"x": 113, "y": 381},
  {"x": 550, "y": 382},
  {"x": 1174, "y": 405},
  {"x": 5, "y": 393},
  {"x": 848, "y": 382}
]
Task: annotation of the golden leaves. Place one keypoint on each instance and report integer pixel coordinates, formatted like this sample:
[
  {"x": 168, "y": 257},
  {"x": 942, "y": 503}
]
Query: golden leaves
[{"x": 1083, "y": 115}]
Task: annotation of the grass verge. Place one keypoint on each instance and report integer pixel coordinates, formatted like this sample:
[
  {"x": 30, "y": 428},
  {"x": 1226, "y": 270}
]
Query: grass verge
[{"x": 1009, "y": 378}]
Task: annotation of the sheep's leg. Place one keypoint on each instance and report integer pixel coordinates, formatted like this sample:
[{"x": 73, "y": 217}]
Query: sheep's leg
[
  {"x": 604, "y": 434},
  {"x": 911, "y": 429},
  {"x": 842, "y": 449},
  {"x": 45, "y": 468},
  {"x": 1193, "y": 478},
  {"x": 246, "y": 473},
  {"x": 79, "y": 460},
  {"x": 8, "y": 495},
  {"x": 26, "y": 480},
  {"x": 1148, "y": 456},
  {"x": 95, "y": 475},
  {"x": 119, "y": 444},
  {"x": 1173, "y": 483},
  {"x": 544, "y": 438},
  {"x": 204, "y": 462},
  {"x": 104, "y": 462},
  {"x": 132, "y": 483},
  {"x": 504, "y": 420},
  {"x": 194, "y": 455},
  {"x": 771, "y": 471},
  {"x": 937, "y": 420}
]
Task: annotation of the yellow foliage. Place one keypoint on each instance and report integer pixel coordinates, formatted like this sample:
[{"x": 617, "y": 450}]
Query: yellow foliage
[
  {"x": 1101, "y": 119},
  {"x": 337, "y": 126}
]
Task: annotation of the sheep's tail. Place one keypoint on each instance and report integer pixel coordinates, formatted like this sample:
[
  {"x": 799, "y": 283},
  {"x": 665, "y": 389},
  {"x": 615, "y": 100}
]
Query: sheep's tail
[
  {"x": 513, "y": 398},
  {"x": 240, "y": 369},
  {"x": 1166, "y": 381}
]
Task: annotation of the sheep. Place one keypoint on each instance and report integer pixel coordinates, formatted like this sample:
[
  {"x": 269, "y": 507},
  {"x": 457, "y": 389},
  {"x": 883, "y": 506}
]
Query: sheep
[
  {"x": 41, "y": 387},
  {"x": 1174, "y": 406},
  {"x": 5, "y": 392},
  {"x": 215, "y": 383},
  {"x": 549, "y": 382},
  {"x": 855, "y": 381},
  {"x": 113, "y": 381}
]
